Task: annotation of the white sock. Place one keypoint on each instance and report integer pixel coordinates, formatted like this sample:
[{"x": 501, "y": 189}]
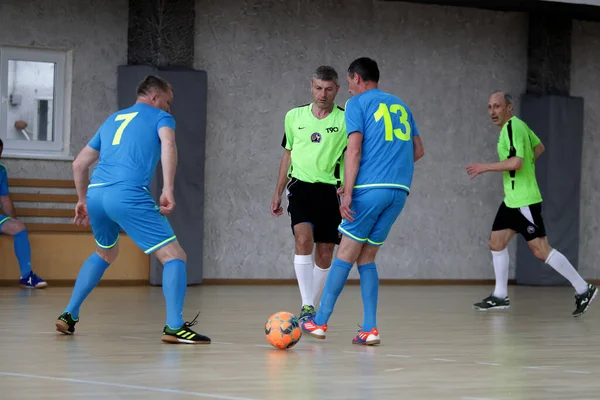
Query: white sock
[
  {"x": 303, "y": 266},
  {"x": 501, "y": 259},
  {"x": 319, "y": 279},
  {"x": 560, "y": 263}
]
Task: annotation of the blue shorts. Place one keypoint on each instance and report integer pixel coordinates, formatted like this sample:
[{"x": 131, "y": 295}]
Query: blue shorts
[
  {"x": 376, "y": 210},
  {"x": 115, "y": 207}
]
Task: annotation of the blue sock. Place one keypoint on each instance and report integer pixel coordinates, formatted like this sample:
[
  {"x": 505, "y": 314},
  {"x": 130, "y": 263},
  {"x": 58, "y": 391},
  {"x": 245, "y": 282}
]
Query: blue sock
[
  {"x": 23, "y": 252},
  {"x": 333, "y": 287},
  {"x": 89, "y": 275},
  {"x": 369, "y": 289},
  {"x": 174, "y": 286}
]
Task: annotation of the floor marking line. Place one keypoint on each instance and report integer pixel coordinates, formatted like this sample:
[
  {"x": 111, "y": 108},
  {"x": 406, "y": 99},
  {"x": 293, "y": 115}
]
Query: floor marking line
[
  {"x": 397, "y": 355},
  {"x": 486, "y": 363},
  {"x": 394, "y": 369},
  {"x": 124, "y": 386},
  {"x": 443, "y": 359},
  {"x": 577, "y": 372},
  {"x": 540, "y": 367}
]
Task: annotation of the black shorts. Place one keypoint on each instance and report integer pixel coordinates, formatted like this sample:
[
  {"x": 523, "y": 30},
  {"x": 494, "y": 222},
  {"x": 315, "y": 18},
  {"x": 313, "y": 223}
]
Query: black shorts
[
  {"x": 317, "y": 204},
  {"x": 526, "y": 220}
]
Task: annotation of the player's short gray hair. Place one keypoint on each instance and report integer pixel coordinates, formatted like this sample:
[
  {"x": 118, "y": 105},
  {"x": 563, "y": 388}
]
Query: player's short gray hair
[
  {"x": 326, "y": 73},
  {"x": 507, "y": 96}
]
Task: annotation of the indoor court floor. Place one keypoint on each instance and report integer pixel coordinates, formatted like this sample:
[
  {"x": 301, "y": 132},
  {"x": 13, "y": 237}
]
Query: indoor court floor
[{"x": 434, "y": 346}]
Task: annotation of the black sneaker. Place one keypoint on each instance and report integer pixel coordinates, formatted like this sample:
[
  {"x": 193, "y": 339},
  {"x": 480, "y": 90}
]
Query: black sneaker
[
  {"x": 184, "y": 334},
  {"x": 492, "y": 303},
  {"x": 307, "y": 313},
  {"x": 66, "y": 324},
  {"x": 582, "y": 301}
]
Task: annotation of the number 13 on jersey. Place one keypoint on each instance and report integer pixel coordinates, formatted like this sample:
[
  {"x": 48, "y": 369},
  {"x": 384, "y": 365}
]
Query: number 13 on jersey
[
  {"x": 126, "y": 118},
  {"x": 384, "y": 112}
]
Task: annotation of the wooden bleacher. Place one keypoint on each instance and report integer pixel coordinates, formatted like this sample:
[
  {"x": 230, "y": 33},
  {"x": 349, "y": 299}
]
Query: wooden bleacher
[{"x": 58, "y": 246}]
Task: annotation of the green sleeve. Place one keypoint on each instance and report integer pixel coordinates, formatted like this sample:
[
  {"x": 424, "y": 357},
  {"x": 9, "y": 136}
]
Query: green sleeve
[
  {"x": 289, "y": 132},
  {"x": 520, "y": 134},
  {"x": 534, "y": 139}
]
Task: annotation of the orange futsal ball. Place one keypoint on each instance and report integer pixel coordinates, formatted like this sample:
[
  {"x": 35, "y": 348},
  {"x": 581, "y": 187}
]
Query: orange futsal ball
[{"x": 282, "y": 330}]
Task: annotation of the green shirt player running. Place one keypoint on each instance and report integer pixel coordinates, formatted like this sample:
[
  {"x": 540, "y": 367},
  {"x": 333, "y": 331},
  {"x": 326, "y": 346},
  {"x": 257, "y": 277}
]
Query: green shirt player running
[
  {"x": 521, "y": 211},
  {"x": 310, "y": 172}
]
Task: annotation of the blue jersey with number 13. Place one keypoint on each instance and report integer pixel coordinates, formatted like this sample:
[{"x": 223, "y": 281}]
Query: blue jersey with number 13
[
  {"x": 388, "y": 127},
  {"x": 129, "y": 146}
]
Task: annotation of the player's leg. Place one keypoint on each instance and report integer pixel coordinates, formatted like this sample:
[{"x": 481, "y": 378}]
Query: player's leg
[
  {"x": 22, "y": 248},
  {"x": 348, "y": 252},
  {"x": 140, "y": 218},
  {"x": 354, "y": 236},
  {"x": 393, "y": 200},
  {"x": 534, "y": 233},
  {"x": 503, "y": 230},
  {"x": 326, "y": 235},
  {"x": 303, "y": 266},
  {"x": 106, "y": 235},
  {"x": 323, "y": 259},
  {"x": 301, "y": 209}
]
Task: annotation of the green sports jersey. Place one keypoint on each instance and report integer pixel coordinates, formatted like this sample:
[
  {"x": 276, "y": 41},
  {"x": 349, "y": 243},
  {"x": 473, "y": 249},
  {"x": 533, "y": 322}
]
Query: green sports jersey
[
  {"x": 316, "y": 145},
  {"x": 520, "y": 187}
]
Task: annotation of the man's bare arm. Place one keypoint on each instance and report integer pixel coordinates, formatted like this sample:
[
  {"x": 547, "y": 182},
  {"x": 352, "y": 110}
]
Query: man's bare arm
[
  {"x": 168, "y": 157},
  {"x": 282, "y": 178},
  {"x": 81, "y": 170},
  {"x": 418, "y": 148},
  {"x": 538, "y": 150}
]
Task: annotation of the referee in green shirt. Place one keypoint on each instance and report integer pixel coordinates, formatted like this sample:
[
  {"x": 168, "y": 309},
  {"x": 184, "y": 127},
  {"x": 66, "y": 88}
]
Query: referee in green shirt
[
  {"x": 310, "y": 171},
  {"x": 521, "y": 211}
]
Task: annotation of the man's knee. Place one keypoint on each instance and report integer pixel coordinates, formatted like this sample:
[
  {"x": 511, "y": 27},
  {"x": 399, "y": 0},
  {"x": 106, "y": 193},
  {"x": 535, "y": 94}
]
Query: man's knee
[
  {"x": 496, "y": 245},
  {"x": 13, "y": 227},
  {"x": 304, "y": 239},
  {"x": 324, "y": 255},
  {"x": 171, "y": 251},
  {"x": 540, "y": 248},
  {"x": 108, "y": 255}
]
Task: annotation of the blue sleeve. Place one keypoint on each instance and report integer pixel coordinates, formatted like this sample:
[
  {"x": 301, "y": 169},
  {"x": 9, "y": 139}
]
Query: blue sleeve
[
  {"x": 95, "y": 142},
  {"x": 413, "y": 126},
  {"x": 354, "y": 117},
  {"x": 3, "y": 182},
  {"x": 165, "y": 119}
]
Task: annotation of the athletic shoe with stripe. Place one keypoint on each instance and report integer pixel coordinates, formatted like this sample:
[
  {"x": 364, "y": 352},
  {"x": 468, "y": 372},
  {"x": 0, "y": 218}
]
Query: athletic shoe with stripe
[
  {"x": 583, "y": 301},
  {"x": 184, "y": 334},
  {"x": 492, "y": 303},
  {"x": 367, "y": 338},
  {"x": 66, "y": 324},
  {"x": 317, "y": 331}
]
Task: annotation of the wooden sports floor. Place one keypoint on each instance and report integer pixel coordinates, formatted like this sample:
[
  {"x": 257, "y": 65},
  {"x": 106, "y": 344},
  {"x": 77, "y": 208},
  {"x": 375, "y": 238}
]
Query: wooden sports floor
[{"x": 434, "y": 346}]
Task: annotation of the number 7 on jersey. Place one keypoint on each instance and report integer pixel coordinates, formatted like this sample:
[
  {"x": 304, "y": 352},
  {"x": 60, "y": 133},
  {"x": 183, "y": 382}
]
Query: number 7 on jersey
[{"x": 126, "y": 118}]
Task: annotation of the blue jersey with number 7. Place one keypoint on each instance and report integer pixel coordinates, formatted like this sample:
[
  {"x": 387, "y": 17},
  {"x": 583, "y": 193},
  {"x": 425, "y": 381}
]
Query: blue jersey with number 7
[
  {"x": 129, "y": 146},
  {"x": 388, "y": 127}
]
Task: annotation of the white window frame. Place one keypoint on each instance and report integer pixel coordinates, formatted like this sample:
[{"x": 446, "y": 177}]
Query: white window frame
[{"x": 59, "y": 148}]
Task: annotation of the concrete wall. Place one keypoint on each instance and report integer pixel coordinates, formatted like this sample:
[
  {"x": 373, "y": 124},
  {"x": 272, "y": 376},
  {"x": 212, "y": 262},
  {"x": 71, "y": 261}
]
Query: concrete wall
[
  {"x": 96, "y": 32},
  {"x": 585, "y": 82},
  {"x": 259, "y": 54},
  {"x": 443, "y": 61}
]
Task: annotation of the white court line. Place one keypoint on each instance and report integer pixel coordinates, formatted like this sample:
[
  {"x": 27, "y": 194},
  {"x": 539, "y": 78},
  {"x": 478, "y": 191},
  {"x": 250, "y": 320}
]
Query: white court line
[
  {"x": 394, "y": 369},
  {"x": 398, "y": 355},
  {"x": 443, "y": 359},
  {"x": 476, "y": 398},
  {"x": 123, "y": 386},
  {"x": 540, "y": 367},
  {"x": 220, "y": 343},
  {"x": 577, "y": 372},
  {"x": 486, "y": 363}
]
